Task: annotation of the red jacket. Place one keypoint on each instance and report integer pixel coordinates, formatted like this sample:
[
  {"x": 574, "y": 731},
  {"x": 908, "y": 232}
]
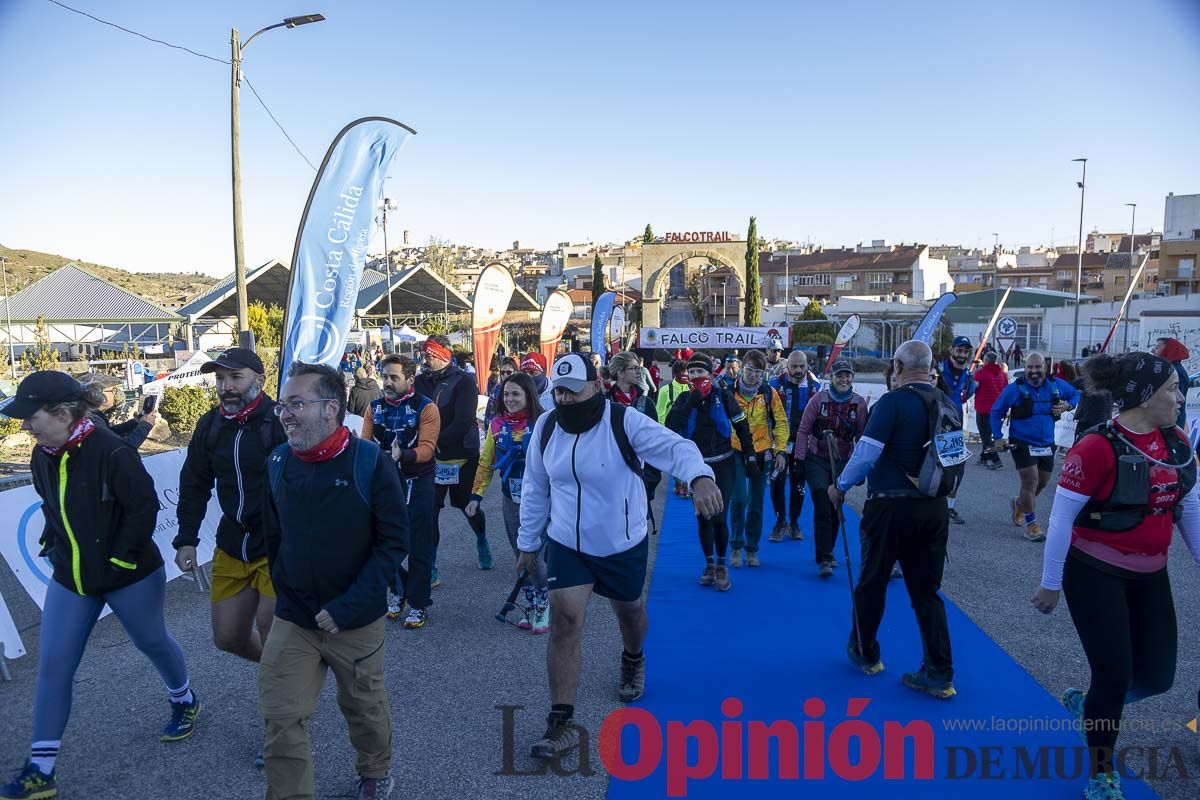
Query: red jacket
[{"x": 992, "y": 381}]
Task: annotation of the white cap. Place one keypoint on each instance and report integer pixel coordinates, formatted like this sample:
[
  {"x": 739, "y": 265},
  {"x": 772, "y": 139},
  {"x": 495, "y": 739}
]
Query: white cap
[{"x": 572, "y": 372}]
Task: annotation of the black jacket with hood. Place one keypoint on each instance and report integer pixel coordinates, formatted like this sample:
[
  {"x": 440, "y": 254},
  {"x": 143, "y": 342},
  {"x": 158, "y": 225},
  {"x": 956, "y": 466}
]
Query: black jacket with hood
[
  {"x": 457, "y": 399},
  {"x": 234, "y": 456}
]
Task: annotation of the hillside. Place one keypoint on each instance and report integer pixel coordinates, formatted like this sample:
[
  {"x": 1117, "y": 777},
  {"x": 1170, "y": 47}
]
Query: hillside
[{"x": 167, "y": 289}]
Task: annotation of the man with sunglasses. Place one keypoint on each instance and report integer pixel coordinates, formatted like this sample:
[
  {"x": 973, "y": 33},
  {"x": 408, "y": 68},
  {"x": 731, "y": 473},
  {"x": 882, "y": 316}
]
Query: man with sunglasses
[{"x": 229, "y": 448}]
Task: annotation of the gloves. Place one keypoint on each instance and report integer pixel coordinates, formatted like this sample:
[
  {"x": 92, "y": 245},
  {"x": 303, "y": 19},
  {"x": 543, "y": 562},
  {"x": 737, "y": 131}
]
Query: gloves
[
  {"x": 796, "y": 468},
  {"x": 753, "y": 468}
]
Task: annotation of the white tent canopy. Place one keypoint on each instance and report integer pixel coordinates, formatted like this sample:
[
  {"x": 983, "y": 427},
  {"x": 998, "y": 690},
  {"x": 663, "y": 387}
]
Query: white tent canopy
[{"x": 406, "y": 334}]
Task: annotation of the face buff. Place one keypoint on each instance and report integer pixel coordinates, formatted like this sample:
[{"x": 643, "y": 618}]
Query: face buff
[{"x": 579, "y": 417}]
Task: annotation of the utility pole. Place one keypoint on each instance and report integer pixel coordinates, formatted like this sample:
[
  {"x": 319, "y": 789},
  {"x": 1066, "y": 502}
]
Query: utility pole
[
  {"x": 384, "y": 208},
  {"x": 235, "y": 135},
  {"x": 12, "y": 359},
  {"x": 1082, "y": 184},
  {"x": 1129, "y": 280}
]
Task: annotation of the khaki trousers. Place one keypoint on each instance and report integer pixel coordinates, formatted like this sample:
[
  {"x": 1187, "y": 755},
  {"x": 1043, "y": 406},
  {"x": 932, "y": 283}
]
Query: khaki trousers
[{"x": 290, "y": 679}]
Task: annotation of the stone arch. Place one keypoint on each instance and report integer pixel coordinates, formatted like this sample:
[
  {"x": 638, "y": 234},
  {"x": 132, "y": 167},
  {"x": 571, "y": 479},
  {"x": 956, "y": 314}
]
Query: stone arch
[{"x": 659, "y": 274}]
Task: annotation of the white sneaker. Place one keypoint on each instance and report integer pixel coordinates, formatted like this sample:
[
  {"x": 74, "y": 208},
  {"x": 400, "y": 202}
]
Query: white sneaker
[{"x": 395, "y": 605}]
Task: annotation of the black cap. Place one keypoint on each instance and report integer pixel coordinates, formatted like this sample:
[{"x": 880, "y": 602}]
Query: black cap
[
  {"x": 46, "y": 388},
  {"x": 842, "y": 365},
  {"x": 236, "y": 358}
]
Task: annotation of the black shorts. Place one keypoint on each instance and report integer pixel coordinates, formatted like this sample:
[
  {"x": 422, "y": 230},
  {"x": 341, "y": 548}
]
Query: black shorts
[
  {"x": 620, "y": 576},
  {"x": 1023, "y": 458}
]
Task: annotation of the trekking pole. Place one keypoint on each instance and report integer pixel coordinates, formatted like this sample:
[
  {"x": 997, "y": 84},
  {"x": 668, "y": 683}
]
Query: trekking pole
[
  {"x": 831, "y": 444},
  {"x": 511, "y": 602}
]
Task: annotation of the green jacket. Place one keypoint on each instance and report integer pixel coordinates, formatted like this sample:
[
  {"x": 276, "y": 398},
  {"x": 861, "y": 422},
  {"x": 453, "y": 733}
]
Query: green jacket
[{"x": 666, "y": 396}]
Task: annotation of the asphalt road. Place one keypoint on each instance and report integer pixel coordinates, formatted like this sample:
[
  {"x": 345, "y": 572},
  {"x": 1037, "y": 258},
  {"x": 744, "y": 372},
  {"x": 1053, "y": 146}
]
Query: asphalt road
[{"x": 447, "y": 679}]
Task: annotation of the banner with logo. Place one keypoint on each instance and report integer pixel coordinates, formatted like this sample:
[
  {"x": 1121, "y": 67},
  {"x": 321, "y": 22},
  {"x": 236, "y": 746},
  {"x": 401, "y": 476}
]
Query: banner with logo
[
  {"x": 601, "y": 314},
  {"x": 493, "y": 291},
  {"x": 24, "y": 507},
  {"x": 716, "y": 338},
  {"x": 187, "y": 374},
  {"x": 331, "y": 244},
  {"x": 556, "y": 313},
  {"x": 844, "y": 335},
  {"x": 616, "y": 330},
  {"x": 933, "y": 316}
]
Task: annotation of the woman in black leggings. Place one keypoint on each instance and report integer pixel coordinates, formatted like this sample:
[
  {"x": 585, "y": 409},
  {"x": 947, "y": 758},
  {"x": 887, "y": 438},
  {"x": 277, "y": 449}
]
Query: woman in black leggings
[
  {"x": 1119, "y": 495},
  {"x": 709, "y": 416}
]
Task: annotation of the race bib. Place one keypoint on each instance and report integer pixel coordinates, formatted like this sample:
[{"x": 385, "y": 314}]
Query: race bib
[
  {"x": 1037, "y": 452},
  {"x": 951, "y": 448},
  {"x": 446, "y": 473},
  {"x": 514, "y": 489}
]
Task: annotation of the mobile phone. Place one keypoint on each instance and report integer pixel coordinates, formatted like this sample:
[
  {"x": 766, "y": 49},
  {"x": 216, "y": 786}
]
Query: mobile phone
[{"x": 149, "y": 404}]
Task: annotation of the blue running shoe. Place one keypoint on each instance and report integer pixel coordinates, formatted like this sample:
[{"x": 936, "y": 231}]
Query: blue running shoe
[
  {"x": 1104, "y": 787},
  {"x": 921, "y": 682},
  {"x": 1073, "y": 700},
  {"x": 183, "y": 720},
  {"x": 860, "y": 662},
  {"x": 485, "y": 552},
  {"x": 29, "y": 784},
  {"x": 434, "y": 579}
]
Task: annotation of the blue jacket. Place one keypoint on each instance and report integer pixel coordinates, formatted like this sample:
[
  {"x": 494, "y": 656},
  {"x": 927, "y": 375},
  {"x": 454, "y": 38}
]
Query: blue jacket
[
  {"x": 965, "y": 385},
  {"x": 794, "y": 396},
  {"x": 1038, "y": 429}
]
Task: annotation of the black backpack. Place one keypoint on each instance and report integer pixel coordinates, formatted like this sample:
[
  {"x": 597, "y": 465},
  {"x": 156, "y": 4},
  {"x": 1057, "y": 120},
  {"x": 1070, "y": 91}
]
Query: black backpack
[
  {"x": 618, "y": 428},
  {"x": 946, "y": 452}
]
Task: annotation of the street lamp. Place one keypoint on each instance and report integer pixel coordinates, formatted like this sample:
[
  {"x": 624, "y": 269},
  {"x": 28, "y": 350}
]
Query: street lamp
[
  {"x": 385, "y": 206},
  {"x": 1129, "y": 286},
  {"x": 1082, "y": 184},
  {"x": 12, "y": 359},
  {"x": 239, "y": 257}
]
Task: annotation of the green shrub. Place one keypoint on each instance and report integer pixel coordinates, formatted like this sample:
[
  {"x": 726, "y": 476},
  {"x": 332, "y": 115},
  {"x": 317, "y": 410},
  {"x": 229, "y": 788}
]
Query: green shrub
[
  {"x": 183, "y": 406},
  {"x": 9, "y": 426}
]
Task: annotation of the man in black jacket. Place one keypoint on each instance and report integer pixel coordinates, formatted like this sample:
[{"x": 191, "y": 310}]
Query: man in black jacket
[
  {"x": 457, "y": 399},
  {"x": 230, "y": 448},
  {"x": 336, "y": 531}
]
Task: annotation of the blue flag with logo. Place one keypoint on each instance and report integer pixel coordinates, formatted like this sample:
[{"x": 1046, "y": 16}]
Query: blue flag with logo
[
  {"x": 601, "y": 314},
  {"x": 933, "y": 316},
  {"x": 331, "y": 244}
]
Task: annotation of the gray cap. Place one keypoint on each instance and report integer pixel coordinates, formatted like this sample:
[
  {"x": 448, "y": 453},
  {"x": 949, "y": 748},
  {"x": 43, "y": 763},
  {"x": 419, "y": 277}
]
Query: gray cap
[{"x": 842, "y": 365}]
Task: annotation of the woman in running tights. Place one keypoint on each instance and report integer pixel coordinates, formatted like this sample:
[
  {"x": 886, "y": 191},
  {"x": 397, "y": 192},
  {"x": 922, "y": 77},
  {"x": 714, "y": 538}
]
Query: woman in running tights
[
  {"x": 1119, "y": 493},
  {"x": 503, "y": 455},
  {"x": 709, "y": 416},
  {"x": 100, "y": 510}
]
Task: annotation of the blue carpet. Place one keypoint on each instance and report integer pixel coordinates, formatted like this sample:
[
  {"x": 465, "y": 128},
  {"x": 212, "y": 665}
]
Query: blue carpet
[{"x": 776, "y": 640}]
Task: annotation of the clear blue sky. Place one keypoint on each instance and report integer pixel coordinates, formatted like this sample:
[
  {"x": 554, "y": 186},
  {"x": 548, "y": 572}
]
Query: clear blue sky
[{"x": 547, "y": 122}]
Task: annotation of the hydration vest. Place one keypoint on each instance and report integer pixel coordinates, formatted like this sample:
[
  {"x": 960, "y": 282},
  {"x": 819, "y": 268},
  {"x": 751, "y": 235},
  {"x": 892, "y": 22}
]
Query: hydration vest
[
  {"x": 510, "y": 458},
  {"x": 1128, "y": 503},
  {"x": 398, "y": 422},
  {"x": 1023, "y": 408},
  {"x": 841, "y": 418}
]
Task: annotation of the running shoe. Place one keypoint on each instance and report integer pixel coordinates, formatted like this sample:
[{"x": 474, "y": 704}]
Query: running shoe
[
  {"x": 416, "y": 618},
  {"x": 561, "y": 736},
  {"x": 752, "y": 559},
  {"x": 633, "y": 679},
  {"x": 896, "y": 572},
  {"x": 721, "y": 579},
  {"x": 778, "y": 531},
  {"x": 395, "y": 605},
  {"x": 1034, "y": 532},
  {"x": 374, "y": 788},
  {"x": 260, "y": 760},
  {"x": 795, "y": 532},
  {"x": 526, "y": 622},
  {"x": 485, "y": 552},
  {"x": 921, "y": 682},
  {"x": 735, "y": 558},
  {"x": 29, "y": 784},
  {"x": 183, "y": 720},
  {"x": 1104, "y": 787},
  {"x": 541, "y": 619},
  {"x": 1018, "y": 516},
  {"x": 1073, "y": 701},
  {"x": 869, "y": 667},
  {"x": 435, "y": 580},
  {"x": 826, "y": 570},
  {"x": 956, "y": 518},
  {"x": 709, "y": 577}
]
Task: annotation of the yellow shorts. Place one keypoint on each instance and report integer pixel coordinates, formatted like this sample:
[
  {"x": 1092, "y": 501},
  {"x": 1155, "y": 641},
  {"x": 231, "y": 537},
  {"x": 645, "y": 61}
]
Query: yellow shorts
[{"x": 230, "y": 576}]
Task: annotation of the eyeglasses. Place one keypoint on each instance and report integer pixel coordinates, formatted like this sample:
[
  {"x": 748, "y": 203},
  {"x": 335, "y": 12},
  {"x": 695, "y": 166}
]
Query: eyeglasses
[
  {"x": 296, "y": 406},
  {"x": 751, "y": 372}
]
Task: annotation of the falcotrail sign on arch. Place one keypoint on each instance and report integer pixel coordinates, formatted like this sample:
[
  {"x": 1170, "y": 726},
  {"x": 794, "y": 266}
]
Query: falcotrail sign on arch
[{"x": 713, "y": 338}]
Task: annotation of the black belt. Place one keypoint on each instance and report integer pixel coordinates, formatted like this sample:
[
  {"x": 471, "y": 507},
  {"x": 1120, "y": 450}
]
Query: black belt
[{"x": 896, "y": 494}]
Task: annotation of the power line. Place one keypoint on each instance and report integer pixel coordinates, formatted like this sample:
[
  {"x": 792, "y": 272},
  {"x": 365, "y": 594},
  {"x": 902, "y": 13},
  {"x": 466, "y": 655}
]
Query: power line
[
  {"x": 272, "y": 116},
  {"x": 258, "y": 97},
  {"x": 139, "y": 35}
]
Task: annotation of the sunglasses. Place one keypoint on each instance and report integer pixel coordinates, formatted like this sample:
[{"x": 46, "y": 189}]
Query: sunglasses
[{"x": 504, "y": 373}]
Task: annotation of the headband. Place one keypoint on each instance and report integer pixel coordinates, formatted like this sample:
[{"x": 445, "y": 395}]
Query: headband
[{"x": 432, "y": 348}]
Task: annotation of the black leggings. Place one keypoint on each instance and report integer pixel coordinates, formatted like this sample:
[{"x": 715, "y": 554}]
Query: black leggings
[
  {"x": 1126, "y": 624},
  {"x": 714, "y": 533},
  {"x": 460, "y": 495}
]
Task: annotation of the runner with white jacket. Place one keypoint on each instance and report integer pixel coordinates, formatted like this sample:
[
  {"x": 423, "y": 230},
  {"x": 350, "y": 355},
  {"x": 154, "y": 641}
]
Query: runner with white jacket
[{"x": 597, "y": 536}]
